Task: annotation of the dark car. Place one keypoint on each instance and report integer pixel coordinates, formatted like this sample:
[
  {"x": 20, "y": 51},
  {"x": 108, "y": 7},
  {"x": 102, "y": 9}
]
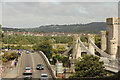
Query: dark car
[
  {"x": 27, "y": 78},
  {"x": 39, "y": 67}
]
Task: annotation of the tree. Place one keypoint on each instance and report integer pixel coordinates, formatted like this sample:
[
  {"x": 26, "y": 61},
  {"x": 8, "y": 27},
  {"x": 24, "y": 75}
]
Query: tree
[
  {"x": 84, "y": 38},
  {"x": 61, "y": 59},
  {"x": 89, "y": 66},
  {"x": 14, "y": 55},
  {"x": 98, "y": 41},
  {"x": 44, "y": 46},
  {"x": 9, "y": 56},
  {"x": 61, "y": 48}
]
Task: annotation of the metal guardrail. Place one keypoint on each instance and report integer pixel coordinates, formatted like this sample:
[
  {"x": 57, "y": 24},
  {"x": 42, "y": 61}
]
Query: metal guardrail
[{"x": 48, "y": 64}]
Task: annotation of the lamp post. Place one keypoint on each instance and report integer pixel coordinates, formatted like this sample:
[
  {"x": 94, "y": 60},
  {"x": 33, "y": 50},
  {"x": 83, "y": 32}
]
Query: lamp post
[
  {"x": 1, "y": 68},
  {"x": 7, "y": 40},
  {"x": 1, "y": 57}
]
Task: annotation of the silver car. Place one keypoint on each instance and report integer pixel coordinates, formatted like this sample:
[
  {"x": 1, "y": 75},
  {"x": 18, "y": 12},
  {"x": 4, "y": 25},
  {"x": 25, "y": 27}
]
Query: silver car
[{"x": 43, "y": 77}]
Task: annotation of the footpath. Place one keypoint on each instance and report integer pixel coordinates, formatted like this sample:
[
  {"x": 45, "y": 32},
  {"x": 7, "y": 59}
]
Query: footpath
[{"x": 13, "y": 73}]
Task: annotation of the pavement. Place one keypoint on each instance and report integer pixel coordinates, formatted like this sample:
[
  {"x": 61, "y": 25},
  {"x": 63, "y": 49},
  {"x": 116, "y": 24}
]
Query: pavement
[{"x": 12, "y": 73}]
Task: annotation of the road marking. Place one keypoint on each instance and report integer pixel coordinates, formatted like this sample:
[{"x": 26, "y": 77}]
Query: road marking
[{"x": 33, "y": 61}]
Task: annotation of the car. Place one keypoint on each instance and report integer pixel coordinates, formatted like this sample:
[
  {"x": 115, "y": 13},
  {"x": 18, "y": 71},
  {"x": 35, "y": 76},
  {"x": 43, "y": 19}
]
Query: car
[
  {"x": 40, "y": 67},
  {"x": 27, "y": 78},
  {"x": 27, "y": 70},
  {"x": 32, "y": 51},
  {"x": 43, "y": 77},
  {"x": 27, "y": 52}
]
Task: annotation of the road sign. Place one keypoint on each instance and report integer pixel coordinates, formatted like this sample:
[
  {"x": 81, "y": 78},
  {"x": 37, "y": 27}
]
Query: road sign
[{"x": 59, "y": 67}]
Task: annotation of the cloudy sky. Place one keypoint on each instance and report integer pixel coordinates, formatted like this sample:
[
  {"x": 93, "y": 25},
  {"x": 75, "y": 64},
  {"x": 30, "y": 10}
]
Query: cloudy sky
[{"x": 34, "y": 14}]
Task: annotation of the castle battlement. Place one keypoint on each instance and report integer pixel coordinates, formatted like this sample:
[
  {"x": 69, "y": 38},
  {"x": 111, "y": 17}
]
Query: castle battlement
[{"x": 113, "y": 21}]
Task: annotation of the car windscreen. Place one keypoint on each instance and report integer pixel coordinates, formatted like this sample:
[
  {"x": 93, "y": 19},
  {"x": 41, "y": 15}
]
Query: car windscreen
[
  {"x": 39, "y": 65},
  {"x": 27, "y": 69},
  {"x": 44, "y": 76}
]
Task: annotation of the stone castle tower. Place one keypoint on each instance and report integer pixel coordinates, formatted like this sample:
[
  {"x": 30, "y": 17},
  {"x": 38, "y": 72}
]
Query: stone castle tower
[{"x": 111, "y": 43}]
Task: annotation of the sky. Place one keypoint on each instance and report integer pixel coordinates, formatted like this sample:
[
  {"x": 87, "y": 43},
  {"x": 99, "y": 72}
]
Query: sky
[{"x": 34, "y": 14}]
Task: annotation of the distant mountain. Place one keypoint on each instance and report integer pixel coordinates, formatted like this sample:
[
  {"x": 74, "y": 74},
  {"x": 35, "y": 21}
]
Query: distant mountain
[
  {"x": 12, "y": 29},
  {"x": 90, "y": 27}
]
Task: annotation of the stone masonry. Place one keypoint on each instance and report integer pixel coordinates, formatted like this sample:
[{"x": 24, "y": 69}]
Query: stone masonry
[
  {"x": 112, "y": 37},
  {"x": 103, "y": 40},
  {"x": 92, "y": 38}
]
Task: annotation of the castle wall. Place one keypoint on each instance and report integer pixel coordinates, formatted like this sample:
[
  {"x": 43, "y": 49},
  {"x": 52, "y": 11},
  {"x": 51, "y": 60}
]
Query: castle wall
[
  {"x": 103, "y": 40},
  {"x": 112, "y": 36},
  {"x": 113, "y": 48},
  {"x": 118, "y": 38}
]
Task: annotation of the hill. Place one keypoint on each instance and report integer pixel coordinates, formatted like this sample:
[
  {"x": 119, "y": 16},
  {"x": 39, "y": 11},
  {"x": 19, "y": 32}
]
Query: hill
[{"x": 90, "y": 27}]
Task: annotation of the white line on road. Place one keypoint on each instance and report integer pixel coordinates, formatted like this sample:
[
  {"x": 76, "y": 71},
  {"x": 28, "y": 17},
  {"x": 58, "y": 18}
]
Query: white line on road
[{"x": 33, "y": 61}]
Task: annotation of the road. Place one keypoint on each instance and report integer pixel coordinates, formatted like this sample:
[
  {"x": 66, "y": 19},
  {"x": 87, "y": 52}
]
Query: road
[{"x": 32, "y": 59}]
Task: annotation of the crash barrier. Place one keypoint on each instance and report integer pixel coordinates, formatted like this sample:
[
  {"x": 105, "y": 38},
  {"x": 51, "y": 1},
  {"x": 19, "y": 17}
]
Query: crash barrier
[{"x": 48, "y": 64}]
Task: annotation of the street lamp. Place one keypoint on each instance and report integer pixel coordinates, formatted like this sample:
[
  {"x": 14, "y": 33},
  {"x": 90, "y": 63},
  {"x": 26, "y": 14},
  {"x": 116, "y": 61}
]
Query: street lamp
[
  {"x": 1, "y": 67},
  {"x": 7, "y": 40},
  {"x": 1, "y": 56}
]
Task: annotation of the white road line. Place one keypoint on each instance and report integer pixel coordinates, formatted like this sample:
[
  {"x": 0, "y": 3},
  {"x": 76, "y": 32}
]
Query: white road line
[{"x": 33, "y": 61}]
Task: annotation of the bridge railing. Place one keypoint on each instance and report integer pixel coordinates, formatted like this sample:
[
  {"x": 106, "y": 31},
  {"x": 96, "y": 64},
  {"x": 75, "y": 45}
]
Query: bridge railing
[
  {"x": 99, "y": 50},
  {"x": 112, "y": 67},
  {"x": 66, "y": 52},
  {"x": 83, "y": 46},
  {"x": 48, "y": 64}
]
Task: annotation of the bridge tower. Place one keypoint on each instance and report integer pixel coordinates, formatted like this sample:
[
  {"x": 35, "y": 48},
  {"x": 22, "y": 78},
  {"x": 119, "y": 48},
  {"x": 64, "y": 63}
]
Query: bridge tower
[
  {"x": 76, "y": 47},
  {"x": 103, "y": 41},
  {"x": 76, "y": 53},
  {"x": 92, "y": 38},
  {"x": 112, "y": 36}
]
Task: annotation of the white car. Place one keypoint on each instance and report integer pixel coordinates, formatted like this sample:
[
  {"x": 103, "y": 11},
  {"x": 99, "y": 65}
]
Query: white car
[
  {"x": 27, "y": 70},
  {"x": 43, "y": 77}
]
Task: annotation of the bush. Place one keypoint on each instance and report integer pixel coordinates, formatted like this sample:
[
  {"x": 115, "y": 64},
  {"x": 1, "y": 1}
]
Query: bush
[
  {"x": 9, "y": 56},
  {"x": 89, "y": 66}
]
